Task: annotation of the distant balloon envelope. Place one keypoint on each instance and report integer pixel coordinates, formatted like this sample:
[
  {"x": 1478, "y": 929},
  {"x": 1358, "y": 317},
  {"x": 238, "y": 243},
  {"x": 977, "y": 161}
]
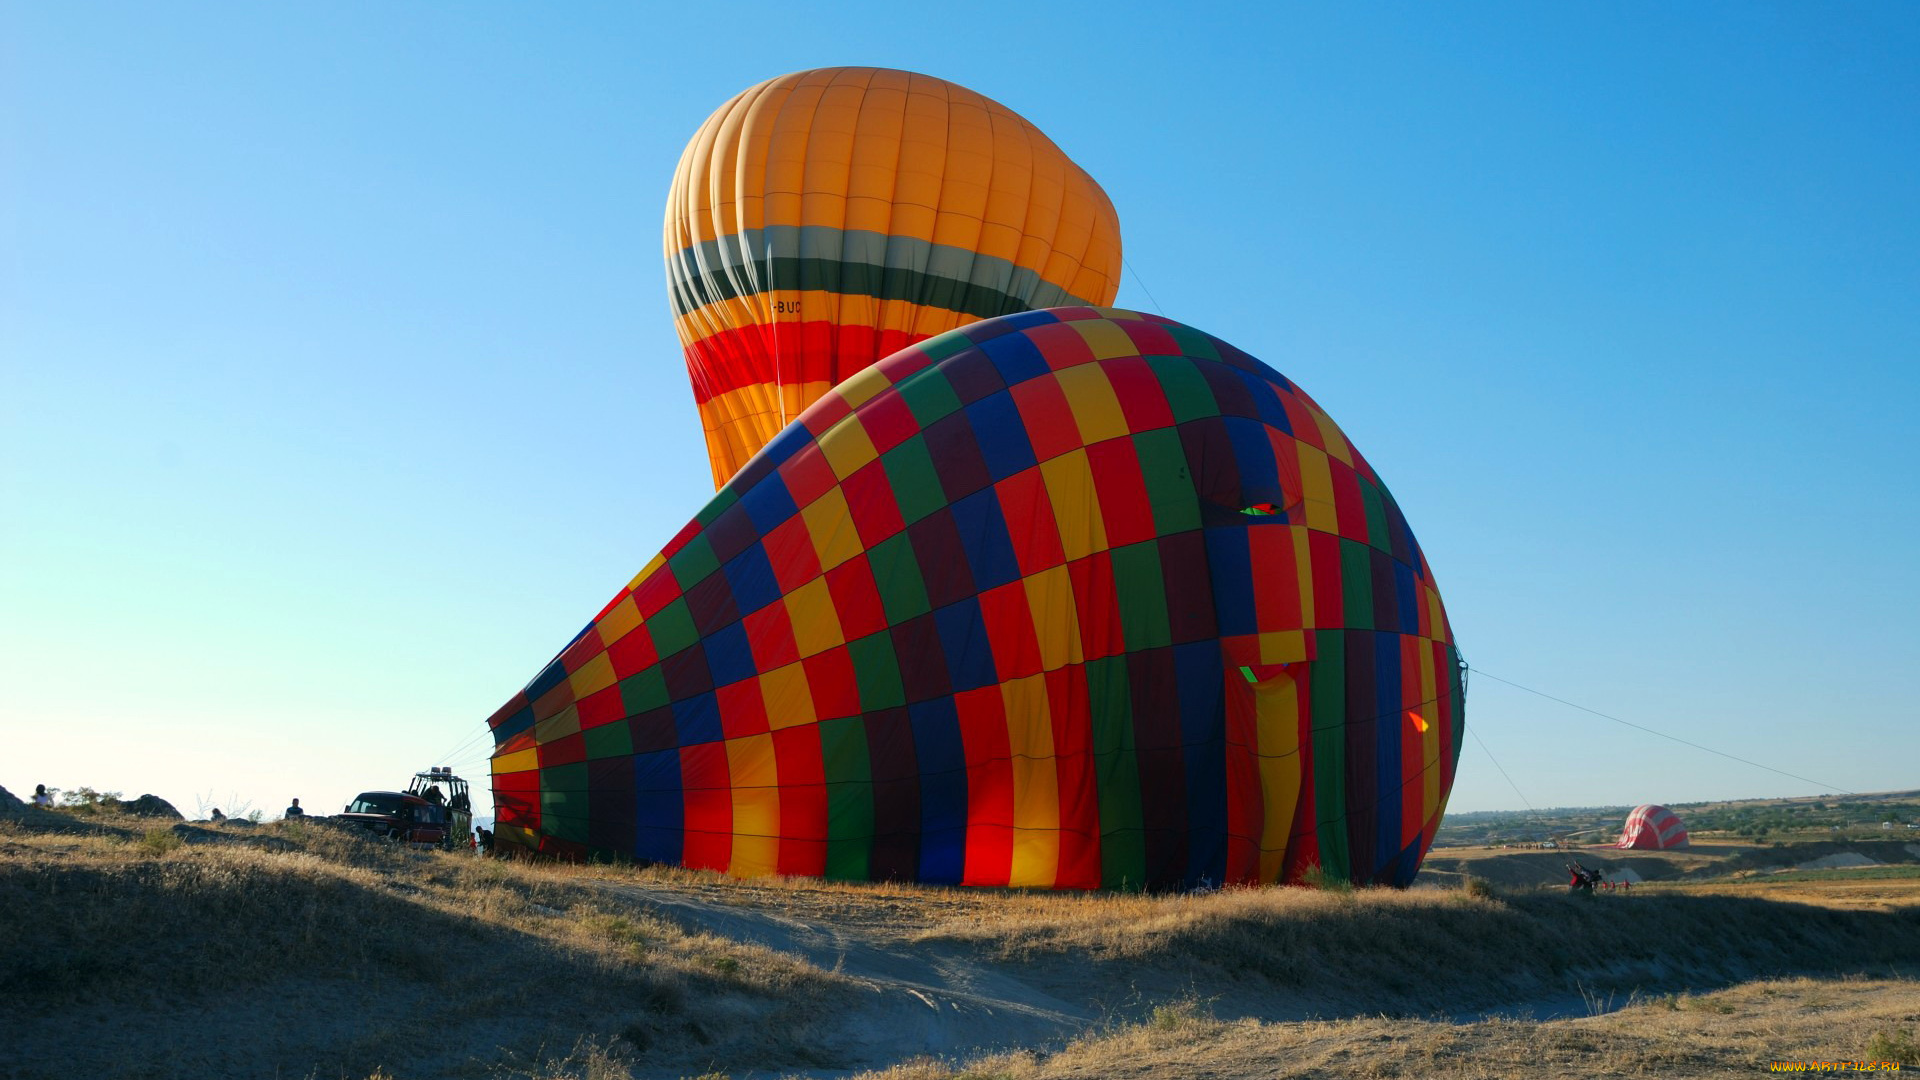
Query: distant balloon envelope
[
  {"x": 1069, "y": 599},
  {"x": 1653, "y": 827},
  {"x": 824, "y": 219}
]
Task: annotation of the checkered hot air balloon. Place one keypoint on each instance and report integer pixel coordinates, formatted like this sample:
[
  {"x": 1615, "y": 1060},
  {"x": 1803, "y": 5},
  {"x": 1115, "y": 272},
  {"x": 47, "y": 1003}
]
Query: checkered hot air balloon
[
  {"x": 1069, "y": 599},
  {"x": 822, "y": 220},
  {"x": 1653, "y": 827}
]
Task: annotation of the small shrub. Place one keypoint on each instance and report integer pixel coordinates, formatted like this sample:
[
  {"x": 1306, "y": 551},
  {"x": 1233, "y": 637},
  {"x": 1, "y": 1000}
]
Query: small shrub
[
  {"x": 1479, "y": 888},
  {"x": 1896, "y": 1045},
  {"x": 1170, "y": 1017},
  {"x": 1317, "y": 877},
  {"x": 1175, "y": 1015},
  {"x": 159, "y": 841}
]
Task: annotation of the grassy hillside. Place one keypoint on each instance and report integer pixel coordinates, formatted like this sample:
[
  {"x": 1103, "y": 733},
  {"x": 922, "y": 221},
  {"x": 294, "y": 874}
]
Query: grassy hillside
[
  {"x": 1732, "y": 1033},
  {"x": 1419, "y": 952},
  {"x": 298, "y": 950}
]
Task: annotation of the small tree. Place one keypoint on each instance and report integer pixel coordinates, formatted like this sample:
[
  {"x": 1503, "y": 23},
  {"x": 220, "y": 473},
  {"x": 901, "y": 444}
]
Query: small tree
[{"x": 85, "y": 800}]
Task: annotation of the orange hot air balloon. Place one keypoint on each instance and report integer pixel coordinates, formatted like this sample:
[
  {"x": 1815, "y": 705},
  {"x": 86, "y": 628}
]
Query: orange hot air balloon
[{"x": 822, "y": 220}]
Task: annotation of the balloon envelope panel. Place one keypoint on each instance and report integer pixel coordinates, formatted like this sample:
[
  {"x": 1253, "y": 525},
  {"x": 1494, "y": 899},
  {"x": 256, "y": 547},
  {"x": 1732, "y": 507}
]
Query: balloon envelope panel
[
  {"x": 1070, "y": 598},
  {"x": 824, "y": 219}
]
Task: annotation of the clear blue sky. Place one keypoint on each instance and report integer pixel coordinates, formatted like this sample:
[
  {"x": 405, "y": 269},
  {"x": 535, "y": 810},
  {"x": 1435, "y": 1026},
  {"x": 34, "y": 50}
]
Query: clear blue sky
[{"x": 339, "y": 388}]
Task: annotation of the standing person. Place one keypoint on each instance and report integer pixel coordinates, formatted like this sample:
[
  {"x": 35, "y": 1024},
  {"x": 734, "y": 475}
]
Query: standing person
[
  {"x": 294, "y": 811},
  {"x": 40, "y": 797}
]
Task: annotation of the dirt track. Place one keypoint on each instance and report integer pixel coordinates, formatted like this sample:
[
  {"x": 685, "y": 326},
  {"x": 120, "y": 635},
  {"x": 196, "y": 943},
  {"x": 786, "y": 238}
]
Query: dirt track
[
  {"x": 917, "y": 998},
  {"x": 924, "y": 990},
  {"x": 923, "y": 995}
]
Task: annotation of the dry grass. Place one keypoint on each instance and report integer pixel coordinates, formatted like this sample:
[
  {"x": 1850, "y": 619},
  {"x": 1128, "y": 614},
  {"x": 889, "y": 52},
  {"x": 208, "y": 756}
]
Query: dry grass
[
  {"x": 1304, "y": 952},
  {"x": 1838, "y": 891},
  {"x": 1425, "y": 950},
  {"x": 301, "y": 950},
  {"x": 321, "y": 895},
  {"x": 391, "y": 955},
  {"x": 1736, "y": 1032}
]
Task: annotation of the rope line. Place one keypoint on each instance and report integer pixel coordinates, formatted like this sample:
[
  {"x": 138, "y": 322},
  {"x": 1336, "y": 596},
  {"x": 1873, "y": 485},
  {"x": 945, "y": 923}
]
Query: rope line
[
  {"x": 1672, "y": 738},
  {"x": 1503, "y": 771},
  {"x": 468, "y": 744},
  {"x": 1137, "y": 280}
]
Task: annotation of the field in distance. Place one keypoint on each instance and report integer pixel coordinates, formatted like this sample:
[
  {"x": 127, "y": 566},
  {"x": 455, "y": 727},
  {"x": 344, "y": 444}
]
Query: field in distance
[{"x": 1890, "y": 815}]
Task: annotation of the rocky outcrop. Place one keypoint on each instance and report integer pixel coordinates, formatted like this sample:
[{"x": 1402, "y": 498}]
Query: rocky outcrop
[
  {"x": 9, "y": 804},
  {"x": 152, "y": 806}
]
